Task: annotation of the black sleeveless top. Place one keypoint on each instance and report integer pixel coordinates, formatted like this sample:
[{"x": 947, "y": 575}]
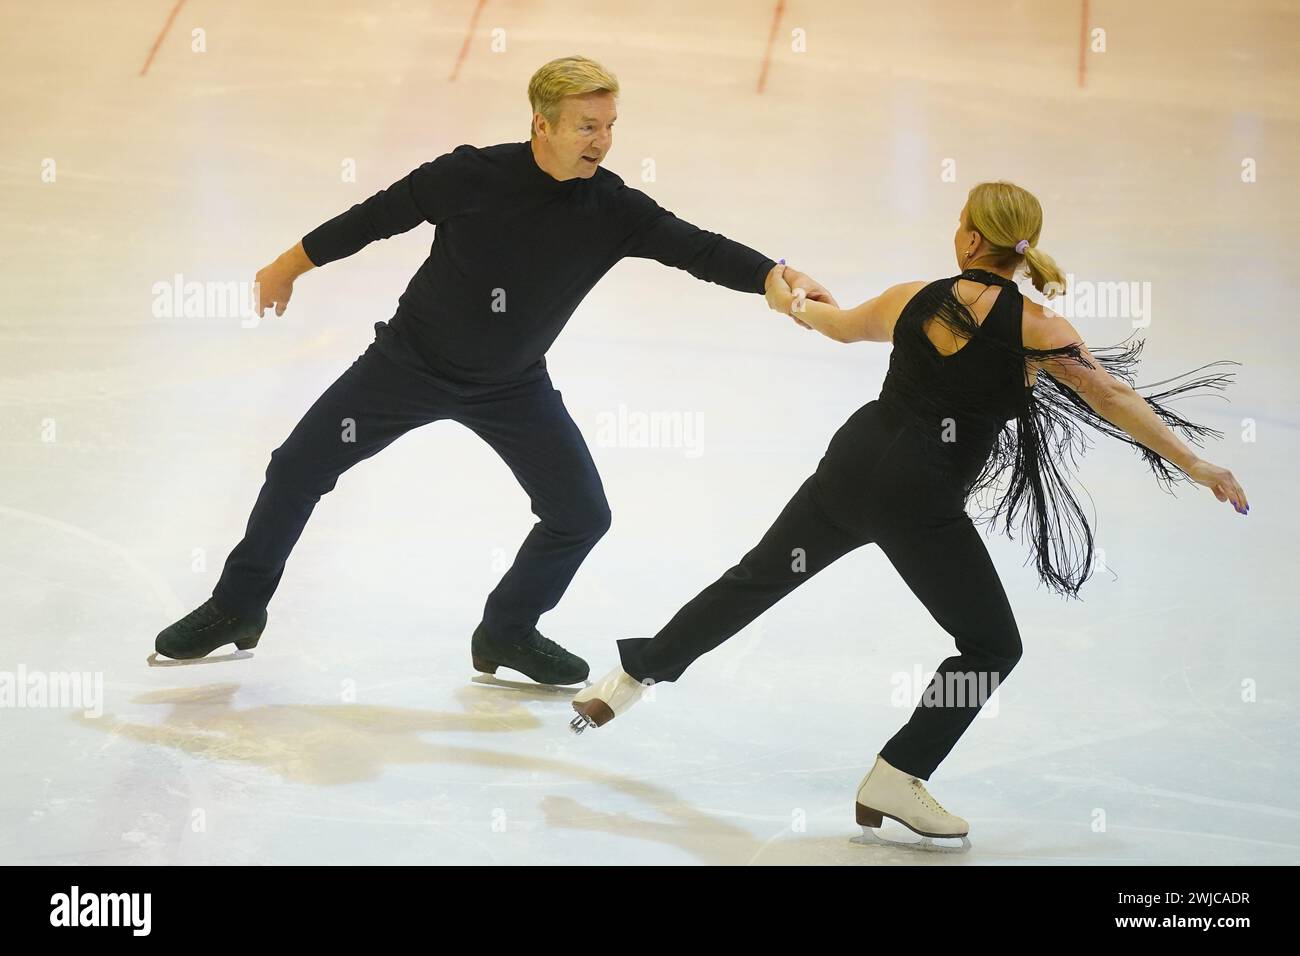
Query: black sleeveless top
[{"x": 1010, "y": 444}]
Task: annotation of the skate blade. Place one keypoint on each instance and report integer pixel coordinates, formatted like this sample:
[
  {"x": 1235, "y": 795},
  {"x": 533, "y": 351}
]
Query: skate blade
[
  {"x": 154, "y": 660},
  {"x": 559, "y": 690},
  {"x": 926, "y": 844},
  {"x": 581, "y": 722}
]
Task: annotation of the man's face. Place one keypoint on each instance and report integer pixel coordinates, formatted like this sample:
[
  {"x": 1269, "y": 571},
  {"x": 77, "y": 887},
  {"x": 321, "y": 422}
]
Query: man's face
[{"x": 582, "y": 136}]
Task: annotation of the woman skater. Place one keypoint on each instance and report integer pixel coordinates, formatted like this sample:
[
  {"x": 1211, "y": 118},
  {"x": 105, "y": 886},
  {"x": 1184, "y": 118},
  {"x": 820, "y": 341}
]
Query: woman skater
[{"x": 970, "y": 355}]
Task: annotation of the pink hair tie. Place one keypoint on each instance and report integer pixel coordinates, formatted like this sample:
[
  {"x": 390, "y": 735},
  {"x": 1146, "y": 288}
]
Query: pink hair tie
[{"x": 1021, "y": 246}]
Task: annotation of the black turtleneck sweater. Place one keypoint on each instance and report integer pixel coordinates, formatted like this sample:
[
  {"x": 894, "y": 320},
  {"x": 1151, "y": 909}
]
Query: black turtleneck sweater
[{"x": 515, "y": 252}]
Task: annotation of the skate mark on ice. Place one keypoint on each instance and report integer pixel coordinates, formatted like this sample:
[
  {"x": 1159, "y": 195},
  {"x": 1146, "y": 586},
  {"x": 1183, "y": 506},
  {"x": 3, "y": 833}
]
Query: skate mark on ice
[
  {"x": 1132, "y": 788},
  {"x": 143, "y": 377},
  {"x": 171, "y": 605},
  {"x": 1206, "y": 708}
]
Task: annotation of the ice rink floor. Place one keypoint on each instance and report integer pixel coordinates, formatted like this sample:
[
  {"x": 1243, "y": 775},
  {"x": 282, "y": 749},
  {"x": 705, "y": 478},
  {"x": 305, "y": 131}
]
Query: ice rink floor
[{"x": 1154, "y": 721}]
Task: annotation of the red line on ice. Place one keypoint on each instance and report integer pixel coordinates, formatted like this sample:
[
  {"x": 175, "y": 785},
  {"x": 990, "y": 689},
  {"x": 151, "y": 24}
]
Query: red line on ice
[
  {"x": 1083, "y": 43},
  {"x": 469, "y": 35},
  {"x": 771, "y": 39},
  {"x": 153, "y": 51}
]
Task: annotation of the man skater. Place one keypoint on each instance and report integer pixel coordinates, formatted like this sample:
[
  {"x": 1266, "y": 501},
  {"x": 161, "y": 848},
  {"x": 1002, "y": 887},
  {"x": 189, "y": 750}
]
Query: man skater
[{"x": 524, "y": 231}]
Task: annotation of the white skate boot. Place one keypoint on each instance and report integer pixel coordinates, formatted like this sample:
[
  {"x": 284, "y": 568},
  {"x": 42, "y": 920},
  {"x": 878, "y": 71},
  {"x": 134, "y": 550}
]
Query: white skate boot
[
  {"x": 604, "y": 700},
  {"x": 889, "y": 792}
]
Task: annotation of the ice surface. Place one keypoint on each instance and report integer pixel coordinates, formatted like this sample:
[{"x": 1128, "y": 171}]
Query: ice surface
[{"x": 1152, "y": 722}]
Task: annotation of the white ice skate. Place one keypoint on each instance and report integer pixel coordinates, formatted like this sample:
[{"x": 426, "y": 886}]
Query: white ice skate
[
  {"x": 599, "y": 703},
  {"x": 889, "y": 792}
]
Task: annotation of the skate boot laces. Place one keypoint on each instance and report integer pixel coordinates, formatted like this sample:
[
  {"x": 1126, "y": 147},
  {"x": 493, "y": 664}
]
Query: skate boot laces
[
  {"x": 546, "y": 646},
  {"x": 205, "y": 614},
  {"x": 919, "y": 791}
]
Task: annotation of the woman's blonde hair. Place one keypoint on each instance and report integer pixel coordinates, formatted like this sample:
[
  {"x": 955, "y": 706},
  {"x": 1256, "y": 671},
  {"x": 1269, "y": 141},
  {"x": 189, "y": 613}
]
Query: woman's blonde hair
[
  {"x": 567, "y": 76},
  {"x": 1004, "y": 214}
]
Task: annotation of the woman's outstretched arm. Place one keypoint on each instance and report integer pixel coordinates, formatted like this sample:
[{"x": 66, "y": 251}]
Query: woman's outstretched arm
[
  {"x": 872, "y": 321},
  {"x": 1117, "y": 402}
]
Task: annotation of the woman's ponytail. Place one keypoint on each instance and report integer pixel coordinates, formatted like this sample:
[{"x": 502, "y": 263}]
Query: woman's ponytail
[
  {"x": 1044, "y": 273},
  {"x": 1010, "y": 219}
]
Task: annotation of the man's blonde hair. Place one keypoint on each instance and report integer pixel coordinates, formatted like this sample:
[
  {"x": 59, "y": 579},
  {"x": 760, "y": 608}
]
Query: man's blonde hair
[{"x": 567, "y": 76}]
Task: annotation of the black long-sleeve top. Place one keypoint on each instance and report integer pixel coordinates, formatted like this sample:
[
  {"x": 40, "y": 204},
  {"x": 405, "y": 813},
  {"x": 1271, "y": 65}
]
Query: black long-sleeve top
[{"x": 515, "y": 252}]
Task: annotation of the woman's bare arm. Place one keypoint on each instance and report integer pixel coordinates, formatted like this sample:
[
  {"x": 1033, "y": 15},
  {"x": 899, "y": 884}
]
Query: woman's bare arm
[
  {"x": 872, "y": 321},
  {"x": 1117, "y": 402}
]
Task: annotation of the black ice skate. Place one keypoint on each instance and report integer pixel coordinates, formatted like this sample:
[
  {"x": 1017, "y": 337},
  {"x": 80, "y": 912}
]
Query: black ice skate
[
  {"x": 535, "y": 656},
  {"x": 191, "y": 639}
]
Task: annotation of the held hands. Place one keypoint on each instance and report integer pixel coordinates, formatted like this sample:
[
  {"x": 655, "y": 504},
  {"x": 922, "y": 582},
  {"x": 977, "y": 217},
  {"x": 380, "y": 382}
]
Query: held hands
[
  {"x": 1222, "y": 483},
  {"x": 781, "y": 297},
  {"x": 814, "y": 289}
]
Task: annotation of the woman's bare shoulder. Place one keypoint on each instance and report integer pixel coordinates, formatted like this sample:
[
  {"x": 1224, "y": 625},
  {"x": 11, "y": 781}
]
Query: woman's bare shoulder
[
  {"x": 874, "y": 320},
  {"x": 1041, "y": 328},
  {"x": 1034, "y": 311},
  {"x": 1038, "y": 324},
  {"x": 887, "y": 308},
  {"x": 899, "y": 295}
]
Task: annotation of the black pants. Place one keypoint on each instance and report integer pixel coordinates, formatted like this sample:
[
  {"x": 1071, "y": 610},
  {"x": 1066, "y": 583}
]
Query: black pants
[
  {"x": 381, "y": 397},
  {"x": 877, "y": 483}
]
